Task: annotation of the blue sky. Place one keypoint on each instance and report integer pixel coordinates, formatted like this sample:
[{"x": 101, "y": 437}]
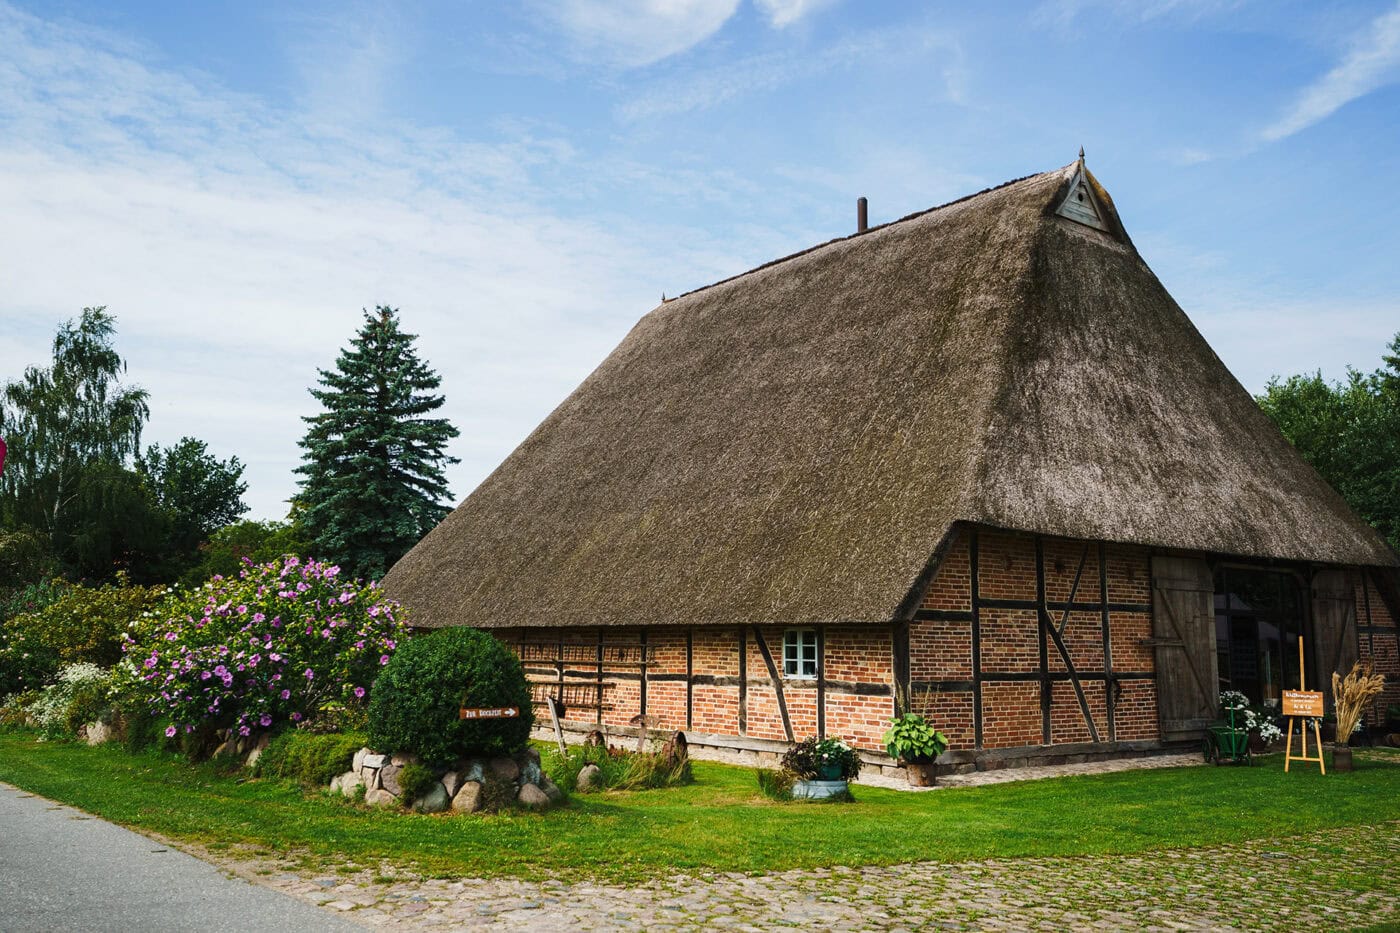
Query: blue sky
[{"x": 525, "y": 179}]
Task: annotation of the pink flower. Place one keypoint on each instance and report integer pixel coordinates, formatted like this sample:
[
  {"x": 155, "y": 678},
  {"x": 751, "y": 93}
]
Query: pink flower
[
  {"x": 265, "y": 720},
  {"x": 383, "y": 659},
  {"x": 170, "y": 732},
  {"x": 359, "y": 693},
  {"x": 309, "y": 674},
  {"x": 244, "y": 730},
  {"x": 296, "y": 717},
  {"x": 286, "y": 694}
]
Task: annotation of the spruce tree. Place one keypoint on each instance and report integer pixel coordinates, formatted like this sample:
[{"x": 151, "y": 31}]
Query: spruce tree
[{"x": 373, "y": 459}]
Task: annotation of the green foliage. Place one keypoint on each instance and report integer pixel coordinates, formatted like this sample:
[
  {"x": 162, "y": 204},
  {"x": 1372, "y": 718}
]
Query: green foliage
[
  {"x": 649, "y": 770},
  {"x": 563, "y": 769},
  {"x": 60, "y": 419},
  {"x": 25, "y": 556},
  {"x": 233, "y": 547},
  {"x": 775, "y": 785},
  {"x": 415, "y": 779},
  {"x": 198, "y": 492},
  {"x": 68, "y": 625},
  {"x": 414, "y": 704},
  {"x": 373, "y": 461},
  {"x": 307, "y": 758},
  {"x": 1350, "y": 432},
  {"x": 116, "y": 526},
  {"x": 911, "y": 738}
]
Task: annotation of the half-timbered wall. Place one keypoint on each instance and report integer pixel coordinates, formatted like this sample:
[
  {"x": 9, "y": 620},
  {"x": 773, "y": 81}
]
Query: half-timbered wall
[
  {"x": 1022, "y": 640},
  {"x": 715, "y": 680},
  {"x": 1019, "y": 641},
  {"x": 1378, "y": 639}
]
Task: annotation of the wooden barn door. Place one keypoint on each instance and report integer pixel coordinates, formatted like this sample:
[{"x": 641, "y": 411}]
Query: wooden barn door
[
  {"x": 1183, "y": 630},
  {"x": 1334, "y": 628}
]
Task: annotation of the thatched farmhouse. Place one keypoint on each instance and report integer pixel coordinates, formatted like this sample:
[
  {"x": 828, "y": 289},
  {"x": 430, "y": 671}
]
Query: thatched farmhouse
[{"x": 976, "y": 462}]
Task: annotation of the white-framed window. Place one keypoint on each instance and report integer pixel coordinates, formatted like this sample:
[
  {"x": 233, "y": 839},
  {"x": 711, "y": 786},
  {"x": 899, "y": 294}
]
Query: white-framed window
[{"x": 800, "y": 653}]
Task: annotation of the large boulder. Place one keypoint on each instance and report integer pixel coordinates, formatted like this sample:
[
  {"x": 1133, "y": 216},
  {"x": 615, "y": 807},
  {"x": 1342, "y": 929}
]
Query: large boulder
[
  {"x": 505, "y": 768},
  {"x": 532, "y": 797},
  {"x": 348, "y": 783},
  {"x": 590, "y": 778},
  {"x": 434, "y": 801},
  {"x": 468, "y": 798},
  {"x": 381, "y": 798},
  {"x": 360, "y": 757},
  {"x": 98, "y": 732},
  {"x": 452, "y": 782},
  {"x": 389, "y": 779}
]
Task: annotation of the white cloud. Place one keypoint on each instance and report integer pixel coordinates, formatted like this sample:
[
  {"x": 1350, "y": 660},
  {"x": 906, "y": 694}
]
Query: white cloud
[
  {"x": 783, "y": 13},
  {"x": 345, "y": 58},
  {"x": 701, "y": 89},
  {"x": 1063, "y": 13},
  {"x": 1372, "y": 62},
  {"x": 236, "y": 246},
  {"x": 633, "y": 33}
]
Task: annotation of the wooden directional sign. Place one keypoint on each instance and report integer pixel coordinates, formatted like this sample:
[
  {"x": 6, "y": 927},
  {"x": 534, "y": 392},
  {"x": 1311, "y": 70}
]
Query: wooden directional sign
[
  {"x": 499, "y": 712},
  {"x": 1302, "y": 703}
]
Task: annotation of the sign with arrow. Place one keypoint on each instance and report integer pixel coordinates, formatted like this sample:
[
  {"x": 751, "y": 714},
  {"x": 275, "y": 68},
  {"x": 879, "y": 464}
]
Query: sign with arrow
[{"x": 498, "y": 712}]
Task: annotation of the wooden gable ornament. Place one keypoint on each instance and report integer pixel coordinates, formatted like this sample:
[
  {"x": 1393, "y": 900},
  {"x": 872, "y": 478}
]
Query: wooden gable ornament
[{"x": 1080, "y": 205}]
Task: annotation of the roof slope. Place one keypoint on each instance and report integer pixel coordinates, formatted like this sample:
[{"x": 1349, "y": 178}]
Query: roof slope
[{"x": 791, "y": 445}]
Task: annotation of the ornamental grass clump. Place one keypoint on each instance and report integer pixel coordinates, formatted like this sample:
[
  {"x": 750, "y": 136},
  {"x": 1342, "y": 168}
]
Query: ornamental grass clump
[
  {"x": 1351, "y": 694},
  {"x": 265, "y": 650}
]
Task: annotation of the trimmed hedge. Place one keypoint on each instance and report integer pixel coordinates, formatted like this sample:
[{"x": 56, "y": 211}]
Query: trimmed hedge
[{"x": 414, "y": 704}]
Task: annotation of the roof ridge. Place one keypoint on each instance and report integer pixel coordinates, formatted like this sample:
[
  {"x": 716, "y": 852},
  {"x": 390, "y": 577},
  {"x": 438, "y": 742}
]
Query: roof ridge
[{"x": 860, "y": 233}]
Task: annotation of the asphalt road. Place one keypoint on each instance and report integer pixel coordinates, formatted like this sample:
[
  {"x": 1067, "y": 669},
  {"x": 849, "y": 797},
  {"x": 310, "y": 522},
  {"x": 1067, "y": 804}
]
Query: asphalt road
[{"x": 62, "y": 870}]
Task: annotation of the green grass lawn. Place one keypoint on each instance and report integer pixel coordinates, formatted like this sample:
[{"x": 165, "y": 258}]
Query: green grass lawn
[{"x": 720, "y": 823}]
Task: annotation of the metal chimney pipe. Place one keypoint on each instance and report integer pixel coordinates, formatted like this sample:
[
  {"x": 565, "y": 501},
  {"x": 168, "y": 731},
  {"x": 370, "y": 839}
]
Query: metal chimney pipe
[{"x": 862, "y": 215}]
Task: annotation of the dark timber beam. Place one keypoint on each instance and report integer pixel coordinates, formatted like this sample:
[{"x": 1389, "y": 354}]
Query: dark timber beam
[{"x": 777, "y": 681}]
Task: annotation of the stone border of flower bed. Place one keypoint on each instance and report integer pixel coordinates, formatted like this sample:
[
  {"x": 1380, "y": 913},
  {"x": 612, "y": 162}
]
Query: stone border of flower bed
[{"x": 463, "y": 788}]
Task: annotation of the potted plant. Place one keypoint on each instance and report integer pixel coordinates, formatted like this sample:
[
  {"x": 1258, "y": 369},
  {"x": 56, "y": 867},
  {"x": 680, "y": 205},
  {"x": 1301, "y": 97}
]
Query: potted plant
[
  {"x": 821, "y": 767},
  {"x": 915, "y": 744},
  {"x": 1351, "y": 694}
]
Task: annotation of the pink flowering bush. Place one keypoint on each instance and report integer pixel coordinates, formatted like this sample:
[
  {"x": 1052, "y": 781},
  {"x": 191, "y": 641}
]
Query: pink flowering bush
[{"x": 272, "y": 647}]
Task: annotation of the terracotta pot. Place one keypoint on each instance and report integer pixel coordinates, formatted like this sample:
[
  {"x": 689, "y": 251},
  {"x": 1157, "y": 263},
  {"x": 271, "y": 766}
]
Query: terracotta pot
[
  {"x": 1341, "y": 758},
  {"x": 921, "y": 773}
]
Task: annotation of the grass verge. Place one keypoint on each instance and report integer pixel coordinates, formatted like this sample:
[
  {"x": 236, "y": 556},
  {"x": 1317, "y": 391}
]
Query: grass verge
[{"x": 719, "y": 823}]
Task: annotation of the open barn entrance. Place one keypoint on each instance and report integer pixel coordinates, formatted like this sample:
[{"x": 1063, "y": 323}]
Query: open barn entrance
[{"x": 1259, "y": 615}]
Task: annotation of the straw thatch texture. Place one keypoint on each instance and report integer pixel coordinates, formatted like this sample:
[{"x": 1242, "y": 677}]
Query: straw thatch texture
[{"x": 791, "y": 445}]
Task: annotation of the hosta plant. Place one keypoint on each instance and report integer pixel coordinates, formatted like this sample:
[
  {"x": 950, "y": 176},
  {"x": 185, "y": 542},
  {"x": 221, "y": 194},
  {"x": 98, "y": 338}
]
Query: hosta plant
[{"x": 910, "y": 738}]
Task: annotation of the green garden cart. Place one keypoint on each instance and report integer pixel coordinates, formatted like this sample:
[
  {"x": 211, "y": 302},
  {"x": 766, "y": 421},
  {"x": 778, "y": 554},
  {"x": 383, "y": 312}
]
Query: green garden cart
[{"x": 1225, "y": 743}]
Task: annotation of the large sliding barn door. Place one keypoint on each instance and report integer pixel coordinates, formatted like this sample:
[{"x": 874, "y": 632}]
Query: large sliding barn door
[
  {"x": 1183, "y": 630},
  {"x": 1334, "y": 629}
]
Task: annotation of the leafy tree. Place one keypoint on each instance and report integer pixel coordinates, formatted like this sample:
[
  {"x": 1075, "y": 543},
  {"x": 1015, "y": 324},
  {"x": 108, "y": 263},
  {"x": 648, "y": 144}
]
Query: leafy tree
[
  {"x": 373, "y": 459},
  {"x": 60, "y": 420},
  {"x": 114, "y": 524},
  {"x": 1350, "y": 432},
  {"x": 198, "y": 492},
  {"x": 233, "y": 547}
]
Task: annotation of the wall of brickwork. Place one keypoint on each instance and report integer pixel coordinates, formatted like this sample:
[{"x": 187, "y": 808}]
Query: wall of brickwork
[
  {"x": 1019, "y": 684},
  {"x": 1006, "y": 593},
  {"x": 1377, "y": 639},
  {"x": 693, "y": 679}
]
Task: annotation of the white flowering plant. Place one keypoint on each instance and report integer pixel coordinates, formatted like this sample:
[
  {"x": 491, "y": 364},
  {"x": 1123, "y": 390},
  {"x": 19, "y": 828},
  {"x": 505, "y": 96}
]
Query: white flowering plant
[{"x": 1257, "y": 719}]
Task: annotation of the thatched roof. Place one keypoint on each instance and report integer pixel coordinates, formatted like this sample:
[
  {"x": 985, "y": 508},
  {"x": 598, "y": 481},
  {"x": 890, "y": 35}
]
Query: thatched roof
[{"x": 792, "y": 444}]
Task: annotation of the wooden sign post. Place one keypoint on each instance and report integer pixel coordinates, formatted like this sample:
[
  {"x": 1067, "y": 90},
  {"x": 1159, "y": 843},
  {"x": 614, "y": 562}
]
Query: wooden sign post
[
  {"x": 1300, "y": 706},
  {"x": 499, "y": 712}
]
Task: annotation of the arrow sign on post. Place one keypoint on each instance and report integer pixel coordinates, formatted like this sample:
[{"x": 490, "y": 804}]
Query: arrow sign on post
[{"x": 498, "y": 712}]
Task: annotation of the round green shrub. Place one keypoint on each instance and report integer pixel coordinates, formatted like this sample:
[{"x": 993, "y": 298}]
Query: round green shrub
[
  {"x": 413, "y": 705},
  {"x": 415, "y": 781}
]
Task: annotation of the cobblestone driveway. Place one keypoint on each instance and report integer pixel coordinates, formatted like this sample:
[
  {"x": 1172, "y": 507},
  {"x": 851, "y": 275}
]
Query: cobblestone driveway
[{"x": 1331, "y": 880}]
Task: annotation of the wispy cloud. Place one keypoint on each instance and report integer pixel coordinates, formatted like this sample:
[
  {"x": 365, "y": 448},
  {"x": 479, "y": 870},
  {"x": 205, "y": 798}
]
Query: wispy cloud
[
  {"x": 236, "y": 245},
  {"x": 632, "y": 33},
  {"x": 346, "y": 57},
  {"x": 1373, "y": 61},
  {"x": 701, "y": 89},
  {"x": 783, "y": 13},
  {"x": 1063, "y": 13}
]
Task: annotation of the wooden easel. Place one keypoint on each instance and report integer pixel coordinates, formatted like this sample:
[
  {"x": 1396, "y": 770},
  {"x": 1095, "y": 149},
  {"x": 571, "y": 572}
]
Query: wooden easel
[{"x": 1301, "y": 705}]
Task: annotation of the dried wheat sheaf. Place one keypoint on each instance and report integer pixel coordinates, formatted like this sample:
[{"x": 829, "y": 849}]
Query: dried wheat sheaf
[{"x": 1352, "y": 693}]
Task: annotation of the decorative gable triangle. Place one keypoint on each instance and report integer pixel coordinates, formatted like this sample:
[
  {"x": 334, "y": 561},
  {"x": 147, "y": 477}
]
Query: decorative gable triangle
[{"x": 1081, "y": 206}]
